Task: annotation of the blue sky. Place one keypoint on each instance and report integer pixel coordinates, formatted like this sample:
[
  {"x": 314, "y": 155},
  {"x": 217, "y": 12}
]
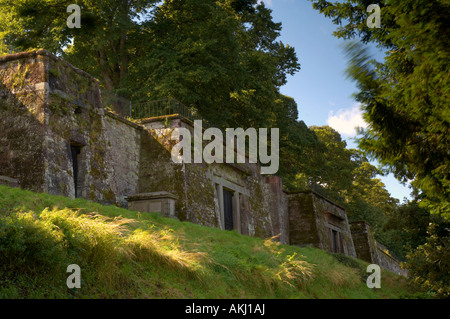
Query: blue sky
[{"x": 320, "y": 88}]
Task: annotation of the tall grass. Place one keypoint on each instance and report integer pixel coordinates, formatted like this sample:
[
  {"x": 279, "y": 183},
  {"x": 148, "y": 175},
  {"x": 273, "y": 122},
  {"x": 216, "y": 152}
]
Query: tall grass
[
  {"x": 44, "y": 244},
  {"x": 126, "y": 254}
]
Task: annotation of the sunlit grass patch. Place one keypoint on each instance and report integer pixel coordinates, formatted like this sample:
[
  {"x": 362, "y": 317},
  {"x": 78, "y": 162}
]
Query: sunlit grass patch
[
  {"x": 127, "y": 254},
  {"x": 163, "y": 247}
]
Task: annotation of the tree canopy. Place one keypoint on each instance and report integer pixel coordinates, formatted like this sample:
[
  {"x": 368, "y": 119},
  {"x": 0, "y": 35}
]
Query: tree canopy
[
  {"x": 405, "y": 97},
  {"x": 221, "y": 57}
]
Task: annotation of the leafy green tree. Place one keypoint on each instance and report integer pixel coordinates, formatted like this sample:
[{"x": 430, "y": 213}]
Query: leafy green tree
[
  {"x": 429, "y": 264},
  {"x": 368, "y": 199},
  {"x": 302, "y": 154},
  {"x": 405, "y": 98},
  {"x": 5, "y": 48},
  {"x": 336, "y": 176},
  {"x": 368, "y": 187},
  {"x": 260, "y": 36},
  {"x": 110, "y": 34},
  {"x": 194, "y": 56},
  {"x": 220, "y": 57},
  {"x": 406, "y": 228},
  {"x": 406, "y": 103}
]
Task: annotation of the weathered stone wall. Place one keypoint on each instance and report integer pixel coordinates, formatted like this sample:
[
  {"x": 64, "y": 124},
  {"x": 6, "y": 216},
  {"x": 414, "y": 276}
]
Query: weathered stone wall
[
  {"x": 23, "y": 92},
  {"x": 74, "y": 117},
  {"x": 198, "y": 186},
  {"x": 254, "y": 212},
  {"x": 334, "y": 218},
  {"x": 312, "y": 218},
  {"x": 364, "y": 241},
  {"x": 123, "y": 155},
  {"x": 47, "y": 106},
  {"x": 118, "y": 158},
  {"x": 189, "y": 182},
  {"x": 277, "y": 207},
  {"x": 157, "y": 171},
  {"x": 302, "y": 221},
  {"x": 389, "y": 262},
  {"x": 8, "y": 181},
  {"x": 368, "y": 249}
]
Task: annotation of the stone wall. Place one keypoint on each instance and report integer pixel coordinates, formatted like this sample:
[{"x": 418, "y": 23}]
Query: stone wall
[
  {"x": 386, "y": 260},
  {"x": 318, "y": 222},
  {"x": 48, "y": 108},
  {"x": 302, "y": 221},
  {"x": 199, "y": 186},
  {"x": 23, "y": 89},
  {"x": 123, "y": 155},
  {"x": 74, "y": 117},
  {"x": 277, "y": 207},
  {"x": 364, "y": 241},
  {"x": 8, "y": 181},
  {"x": 368, "y": 249}
]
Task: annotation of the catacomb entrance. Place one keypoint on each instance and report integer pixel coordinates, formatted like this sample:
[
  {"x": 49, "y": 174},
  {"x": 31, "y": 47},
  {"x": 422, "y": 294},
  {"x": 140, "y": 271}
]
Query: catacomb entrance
[
  {"x": 228, "y": 209},
  {"x": 76, "y": 161},
  {"x": 228, "y": 197},
  {"x": 335, "y": 240}
]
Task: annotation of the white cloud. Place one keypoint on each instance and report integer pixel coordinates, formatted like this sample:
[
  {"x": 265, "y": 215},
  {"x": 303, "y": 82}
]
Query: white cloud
[{"x": 345, "y": 121}]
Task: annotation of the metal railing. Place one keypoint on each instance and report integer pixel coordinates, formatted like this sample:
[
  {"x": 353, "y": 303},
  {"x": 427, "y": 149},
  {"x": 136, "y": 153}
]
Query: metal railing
[
  {"x": 164, "y": 107},
  {"x": 138, "y": 111},
  {"x": 7, "y": 48}
]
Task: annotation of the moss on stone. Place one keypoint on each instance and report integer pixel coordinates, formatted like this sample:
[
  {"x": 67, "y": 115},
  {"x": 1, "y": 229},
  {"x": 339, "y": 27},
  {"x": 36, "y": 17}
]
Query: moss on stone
[{"x": 109, "y": 196}]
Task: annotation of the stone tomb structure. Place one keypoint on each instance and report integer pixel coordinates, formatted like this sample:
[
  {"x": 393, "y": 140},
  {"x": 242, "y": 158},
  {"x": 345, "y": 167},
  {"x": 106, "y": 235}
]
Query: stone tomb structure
[
  {"x": 368, "y": 249},
  {"x": 57, "y": 137},
  {"x": 314, "y": 220}
]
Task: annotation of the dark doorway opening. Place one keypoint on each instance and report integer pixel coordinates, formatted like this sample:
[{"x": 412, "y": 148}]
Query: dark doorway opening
[
  {"x": 228, "y": 209},
  {"x": 75, "y": 150},
  {"x": 335, "y": 235}
]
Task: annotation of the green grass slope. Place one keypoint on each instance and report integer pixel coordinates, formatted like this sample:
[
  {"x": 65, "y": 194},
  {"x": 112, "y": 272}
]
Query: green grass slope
[{"x": 127, "y": 254}]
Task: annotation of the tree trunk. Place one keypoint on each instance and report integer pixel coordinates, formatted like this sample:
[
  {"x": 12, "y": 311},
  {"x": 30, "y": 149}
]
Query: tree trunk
[{"x": 107, "y": 80}]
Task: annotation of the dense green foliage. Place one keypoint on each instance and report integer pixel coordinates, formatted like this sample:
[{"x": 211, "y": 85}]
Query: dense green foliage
[
  {"x": 406, "y": 103},
  {"x": 349, "y": 179},
  {"x": 221, "y": 57},
  {"x": 405, "y": 98},
  {"x": 126, "y": 254},
  {"x": 429, "y": 263}
]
